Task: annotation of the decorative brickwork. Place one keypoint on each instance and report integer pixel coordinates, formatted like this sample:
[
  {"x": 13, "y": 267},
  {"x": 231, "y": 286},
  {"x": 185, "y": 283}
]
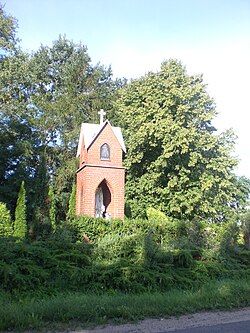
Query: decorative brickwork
[{"x": 100, "y": 177}]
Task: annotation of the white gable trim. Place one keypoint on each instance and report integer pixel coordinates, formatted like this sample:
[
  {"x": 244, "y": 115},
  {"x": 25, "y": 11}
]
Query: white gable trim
[{"x": 101, "y": 127}]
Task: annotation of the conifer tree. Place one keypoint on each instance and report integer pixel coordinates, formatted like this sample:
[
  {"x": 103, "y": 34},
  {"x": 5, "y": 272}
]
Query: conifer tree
[
  {"x": 52, "y": 208},
  {"x": 5, "y": 221},
  {"x": 42, "y": 181},
  {"x": 20, "y": 224},
  {"x": 72, "y": 204},
  {"x": 41, "y": 209}
]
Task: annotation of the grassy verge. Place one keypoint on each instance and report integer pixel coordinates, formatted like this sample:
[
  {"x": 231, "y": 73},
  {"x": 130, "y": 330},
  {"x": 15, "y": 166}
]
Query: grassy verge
[{"x": 41, "y": 311}]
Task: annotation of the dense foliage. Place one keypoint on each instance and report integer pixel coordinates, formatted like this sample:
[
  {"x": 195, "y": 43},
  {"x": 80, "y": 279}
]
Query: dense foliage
[
  {"x": 175, "y": 160},
  {"x": 52, "y": 208},
  {"x": 72, "y": 203},
  {"x": 6, "y": 229},
  {"x": 245, "y": 220},
  {"x": 8, "y": 26},
  {"x": 20, "y": 223},
  {"x": 134, "y": 255}
]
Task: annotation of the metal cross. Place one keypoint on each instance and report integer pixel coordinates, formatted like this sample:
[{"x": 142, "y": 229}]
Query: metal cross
[{"x": 102, "y": 113}]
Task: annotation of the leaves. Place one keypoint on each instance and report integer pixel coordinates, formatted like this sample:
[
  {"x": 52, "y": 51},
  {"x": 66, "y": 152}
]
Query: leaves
[
  {"x": 72, "y": 203},
  {"x": 6, "y": 229},
  {"x": 8, "y": 26},
  {"x": 175, "y": 161}
]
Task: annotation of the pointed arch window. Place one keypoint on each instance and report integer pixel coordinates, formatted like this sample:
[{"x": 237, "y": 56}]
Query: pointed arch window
[{"x": 105, "y": 152}]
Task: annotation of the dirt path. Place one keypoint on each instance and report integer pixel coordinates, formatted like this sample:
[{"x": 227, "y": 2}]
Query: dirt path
[{"x": 173, "y": 323}]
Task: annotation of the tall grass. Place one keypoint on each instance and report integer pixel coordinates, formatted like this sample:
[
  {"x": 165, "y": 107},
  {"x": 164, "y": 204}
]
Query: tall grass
[{"x": 40, "y": 311}]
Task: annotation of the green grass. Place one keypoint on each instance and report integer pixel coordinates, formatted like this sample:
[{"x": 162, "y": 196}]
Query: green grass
[{"x": 39, "y": 311}]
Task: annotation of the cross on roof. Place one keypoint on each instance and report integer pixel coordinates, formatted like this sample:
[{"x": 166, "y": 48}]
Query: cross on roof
[{"x": 102, "y": 113}]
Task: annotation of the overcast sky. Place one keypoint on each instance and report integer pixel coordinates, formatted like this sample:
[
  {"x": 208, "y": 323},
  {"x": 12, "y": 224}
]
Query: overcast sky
[{"x": 134, "y": 36}]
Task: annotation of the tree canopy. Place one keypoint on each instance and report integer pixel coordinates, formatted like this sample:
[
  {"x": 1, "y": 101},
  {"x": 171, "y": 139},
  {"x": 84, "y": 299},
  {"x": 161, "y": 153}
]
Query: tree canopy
[
  {"x": 176, "y": 161},
  {"x": 8, "y": 26}
]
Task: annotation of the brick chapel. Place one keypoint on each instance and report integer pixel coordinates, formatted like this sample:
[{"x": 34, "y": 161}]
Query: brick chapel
[{"x": 100, "y": 176}]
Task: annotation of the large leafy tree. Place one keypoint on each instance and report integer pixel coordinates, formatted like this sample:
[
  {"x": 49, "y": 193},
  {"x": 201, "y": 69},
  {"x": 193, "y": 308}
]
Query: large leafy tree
[
  {"x": 175, "y": 162},
  {"x": 44, "y": 98},
  {"x": 67, "y": 90},
  {"x": 17, "y": 136}
]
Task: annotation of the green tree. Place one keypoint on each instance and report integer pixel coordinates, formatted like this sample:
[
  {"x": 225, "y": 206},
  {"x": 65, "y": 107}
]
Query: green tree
[
  {"x": 17, "y": 135},
  {"x": 72, "y": 204},
  {"x": 42, "y": 181},
  {"x": 40, "y": 224},
  {"x": 18, "y": 158},
  {"x": 52, "y": 208},
  {"x": 20, "y": 223},
  {"x": 8, "y": 26},
  {"x": 5, "y": 221},
  {"x": 175, "y": 160}
]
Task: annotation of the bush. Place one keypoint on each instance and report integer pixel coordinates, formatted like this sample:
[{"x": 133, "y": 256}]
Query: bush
[
  {"x": 48, "y": 264},
  {"x": 229, "y": 237},
  {"x": 5, "y": 221},
  {"x": 131, "y": 256},
  {"x": 155, "y": 215}
]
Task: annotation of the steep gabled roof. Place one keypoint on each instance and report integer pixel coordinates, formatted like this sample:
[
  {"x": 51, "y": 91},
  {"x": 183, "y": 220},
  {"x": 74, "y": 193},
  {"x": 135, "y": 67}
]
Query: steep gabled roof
[{"x": 89, "y": 133}]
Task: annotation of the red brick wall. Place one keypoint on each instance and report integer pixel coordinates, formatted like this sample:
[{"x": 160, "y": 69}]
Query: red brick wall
[{"x": 93, "y": 171}]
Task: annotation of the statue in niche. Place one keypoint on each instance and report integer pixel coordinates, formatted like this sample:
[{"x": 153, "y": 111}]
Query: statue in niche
[{"x": 99, "y": 205}]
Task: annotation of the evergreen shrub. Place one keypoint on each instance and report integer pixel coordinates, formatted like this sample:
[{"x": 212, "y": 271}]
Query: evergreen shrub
[
  {"x": 52, "y": 208},
  {"x": 5, "y": 221},
  {"x": 20, "y": 223}
]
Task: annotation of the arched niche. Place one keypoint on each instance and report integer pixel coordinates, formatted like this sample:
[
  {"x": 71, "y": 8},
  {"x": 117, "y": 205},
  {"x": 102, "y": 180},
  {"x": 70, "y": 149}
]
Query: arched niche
[{"x": 103, "y": 198}]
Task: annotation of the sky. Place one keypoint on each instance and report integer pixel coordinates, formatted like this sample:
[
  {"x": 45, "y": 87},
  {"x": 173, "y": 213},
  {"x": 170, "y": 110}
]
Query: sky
[{"x": 210, "y": 37}]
